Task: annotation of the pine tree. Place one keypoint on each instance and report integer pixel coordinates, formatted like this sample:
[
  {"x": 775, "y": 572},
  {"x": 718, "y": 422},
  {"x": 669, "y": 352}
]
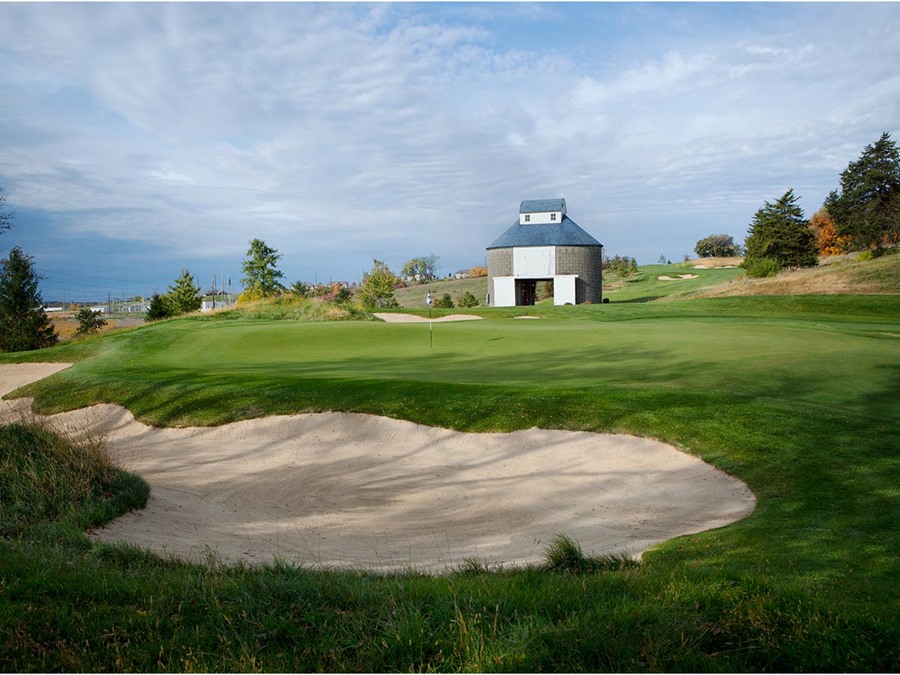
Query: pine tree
[
  {"x": 158, "y": 308},
  {"x": 867, "y": 208},
  {"x": 183, "y": 294},
  {"x": 263, "y": 276},
  {"x": 779, "y": 236},
  {"x": 24, "y": 323}
]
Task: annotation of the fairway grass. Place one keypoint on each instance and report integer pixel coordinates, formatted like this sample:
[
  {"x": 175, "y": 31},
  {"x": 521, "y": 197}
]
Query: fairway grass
[{"x": 797, "y": 397}]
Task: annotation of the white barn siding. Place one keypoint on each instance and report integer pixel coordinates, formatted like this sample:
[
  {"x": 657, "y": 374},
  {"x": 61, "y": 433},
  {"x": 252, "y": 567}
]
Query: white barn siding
[
  {"x": 534, "y": 262},
  {"x": 564, "y": 289},
  {"x": 504, "y": 292}
]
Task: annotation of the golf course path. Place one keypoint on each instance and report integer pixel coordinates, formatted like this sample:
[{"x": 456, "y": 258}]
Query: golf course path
[{"x": 349, "y": 490}]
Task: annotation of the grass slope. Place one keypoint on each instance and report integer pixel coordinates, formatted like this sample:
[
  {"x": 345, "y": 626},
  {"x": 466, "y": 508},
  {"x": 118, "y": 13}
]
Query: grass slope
[{"x": 798, "y": 396}]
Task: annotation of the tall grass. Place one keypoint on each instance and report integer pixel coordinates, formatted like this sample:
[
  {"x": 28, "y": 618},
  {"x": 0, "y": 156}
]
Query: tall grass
[{"x": 47, "y": 478}]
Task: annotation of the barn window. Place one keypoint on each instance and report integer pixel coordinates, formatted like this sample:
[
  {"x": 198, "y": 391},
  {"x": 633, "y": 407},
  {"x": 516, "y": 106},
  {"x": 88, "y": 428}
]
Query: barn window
[
  {"x": 552, "y": 216},
  {"x": 527, "y": 218}
]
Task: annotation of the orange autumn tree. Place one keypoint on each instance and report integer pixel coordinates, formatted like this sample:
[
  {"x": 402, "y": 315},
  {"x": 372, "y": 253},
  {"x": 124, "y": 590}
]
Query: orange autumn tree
[{"x": 827, "y": 240}]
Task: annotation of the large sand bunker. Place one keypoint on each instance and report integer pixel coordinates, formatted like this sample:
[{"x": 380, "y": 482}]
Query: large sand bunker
[{"x": 351, "y": 490}]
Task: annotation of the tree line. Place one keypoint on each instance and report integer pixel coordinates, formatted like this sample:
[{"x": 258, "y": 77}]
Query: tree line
[{"x": 864, "y": 214}]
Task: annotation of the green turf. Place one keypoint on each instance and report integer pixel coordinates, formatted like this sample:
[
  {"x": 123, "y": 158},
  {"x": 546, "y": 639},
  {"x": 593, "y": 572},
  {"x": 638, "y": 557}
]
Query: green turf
[{"x": 798, "y": 396}]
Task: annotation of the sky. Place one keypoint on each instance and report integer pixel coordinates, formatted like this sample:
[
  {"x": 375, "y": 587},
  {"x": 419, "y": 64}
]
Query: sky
[{"x": 140, "y": 139}]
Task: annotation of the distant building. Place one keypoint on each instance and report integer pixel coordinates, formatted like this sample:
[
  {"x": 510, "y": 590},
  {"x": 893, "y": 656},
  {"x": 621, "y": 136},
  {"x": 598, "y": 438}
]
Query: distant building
[{"x": 544, "y": 244}]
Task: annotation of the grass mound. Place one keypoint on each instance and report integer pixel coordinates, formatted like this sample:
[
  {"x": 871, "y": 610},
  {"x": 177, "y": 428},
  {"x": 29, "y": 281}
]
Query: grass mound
[
  {"x": 293, "y": 308},
  {"x": 47, "y": 479}
]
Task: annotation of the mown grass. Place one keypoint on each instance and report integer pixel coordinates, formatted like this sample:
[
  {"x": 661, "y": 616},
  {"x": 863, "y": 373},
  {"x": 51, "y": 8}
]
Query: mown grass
[{"x": 798, "y": 397}]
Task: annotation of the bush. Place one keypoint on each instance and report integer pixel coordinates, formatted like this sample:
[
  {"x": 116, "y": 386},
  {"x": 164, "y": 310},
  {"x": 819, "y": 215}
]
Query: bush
[
  {"x": 445, "y": 302},
  {"x": 763, "y": 267},
  {"x": 468, "y": 300}
]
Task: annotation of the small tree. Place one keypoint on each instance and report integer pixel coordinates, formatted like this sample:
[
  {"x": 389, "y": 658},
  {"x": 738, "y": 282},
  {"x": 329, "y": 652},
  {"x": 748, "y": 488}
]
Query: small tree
[
  {"x": 378, "y": 284},
  {"x": 444, "y": 302},
  {"x": 827, "y": 240},
  {"x": 159, "y": 308},
  {"x": 867, "y": 208},
  {"x": 260, "y": 266},
  {"x": 468, "y": 300},
  {"x": 89, "y": 321},
  {"x": 24, "y": 324},
  {"x": 717, "y": 246},
  {"x": 183, "y": 294},
  {"x": 779, "y": 233}
]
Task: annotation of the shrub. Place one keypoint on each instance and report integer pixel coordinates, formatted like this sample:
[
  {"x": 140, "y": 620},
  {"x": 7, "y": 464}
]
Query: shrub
[
  {"x": 763, "y": 267},
  {"x": 445, "y": 302},
  {"x": 468, "y": 300}
]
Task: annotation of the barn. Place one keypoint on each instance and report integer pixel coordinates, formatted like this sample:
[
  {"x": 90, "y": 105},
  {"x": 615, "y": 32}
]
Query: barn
[{"x": 544, "y": 244}]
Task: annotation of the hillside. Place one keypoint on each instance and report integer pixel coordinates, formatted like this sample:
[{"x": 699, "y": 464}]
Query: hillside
[{"x": 708, "y": 278}]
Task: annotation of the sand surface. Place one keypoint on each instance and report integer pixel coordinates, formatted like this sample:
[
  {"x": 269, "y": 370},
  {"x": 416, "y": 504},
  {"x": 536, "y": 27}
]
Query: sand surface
[
  {"x": 390, "y": 317},
  {"x": 351, "y": 490}
]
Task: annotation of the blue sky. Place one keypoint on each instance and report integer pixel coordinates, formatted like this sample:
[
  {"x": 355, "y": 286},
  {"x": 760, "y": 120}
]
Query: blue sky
[{"x": 138, "y": 139}]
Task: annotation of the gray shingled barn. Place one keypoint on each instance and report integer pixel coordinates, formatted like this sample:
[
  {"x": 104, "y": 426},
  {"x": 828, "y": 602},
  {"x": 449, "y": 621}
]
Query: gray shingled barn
[{"x": 544, "y": 245}]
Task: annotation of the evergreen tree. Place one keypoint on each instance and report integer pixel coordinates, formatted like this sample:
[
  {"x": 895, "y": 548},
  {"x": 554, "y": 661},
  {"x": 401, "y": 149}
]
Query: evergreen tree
[
  {"x": 183, "y": 296},
  {"x": 158, "y": 308},
  {"x": 377, "y": 290},
  {"x": 779, "y": 236},
  {"x": 24, "y": 323},
  {"x": 867, "y": 208},
  {"x": 263, "y": 275}
]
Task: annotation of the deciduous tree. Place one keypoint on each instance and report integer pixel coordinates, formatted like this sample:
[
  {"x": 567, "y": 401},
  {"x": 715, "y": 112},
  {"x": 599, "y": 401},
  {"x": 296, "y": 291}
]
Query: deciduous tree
[
  {"x": 24, "y": 323},
  {"x": 260, "y": 266},
  {"x": 867, "y": 208},
  {"x": 377, "y": 291},
  {"x": 89, "y": 321},
  {"x": 779, "y": 233},
  {"x": 827, "y": 240},
  {"x": 717, "y": 246}
]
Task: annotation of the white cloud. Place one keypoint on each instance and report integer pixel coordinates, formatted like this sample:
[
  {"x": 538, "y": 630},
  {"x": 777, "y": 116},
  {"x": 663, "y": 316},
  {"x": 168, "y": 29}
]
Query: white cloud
[{"x": 399, "y": 129}]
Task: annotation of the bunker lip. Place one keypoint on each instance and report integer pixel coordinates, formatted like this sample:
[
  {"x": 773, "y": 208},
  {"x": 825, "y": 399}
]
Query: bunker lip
[{"x": 346, "y": 490}]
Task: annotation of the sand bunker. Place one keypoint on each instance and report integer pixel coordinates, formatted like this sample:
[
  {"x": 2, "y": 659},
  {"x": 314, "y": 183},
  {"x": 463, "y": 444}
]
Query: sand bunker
[
  {"x": 412, "y": 318},
  {"x": 666, "y": 277},
  {"x": 350, "y": 490}
]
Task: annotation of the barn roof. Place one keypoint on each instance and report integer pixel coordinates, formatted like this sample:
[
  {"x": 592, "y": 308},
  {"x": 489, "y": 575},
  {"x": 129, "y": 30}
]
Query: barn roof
[
  {"x": 564, "y": 233},
  {"x": 542, "y": 205}
]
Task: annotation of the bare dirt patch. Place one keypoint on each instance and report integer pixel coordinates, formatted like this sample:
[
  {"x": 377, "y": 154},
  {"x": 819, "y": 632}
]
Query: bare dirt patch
[{"x": 350, "y": 490}]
